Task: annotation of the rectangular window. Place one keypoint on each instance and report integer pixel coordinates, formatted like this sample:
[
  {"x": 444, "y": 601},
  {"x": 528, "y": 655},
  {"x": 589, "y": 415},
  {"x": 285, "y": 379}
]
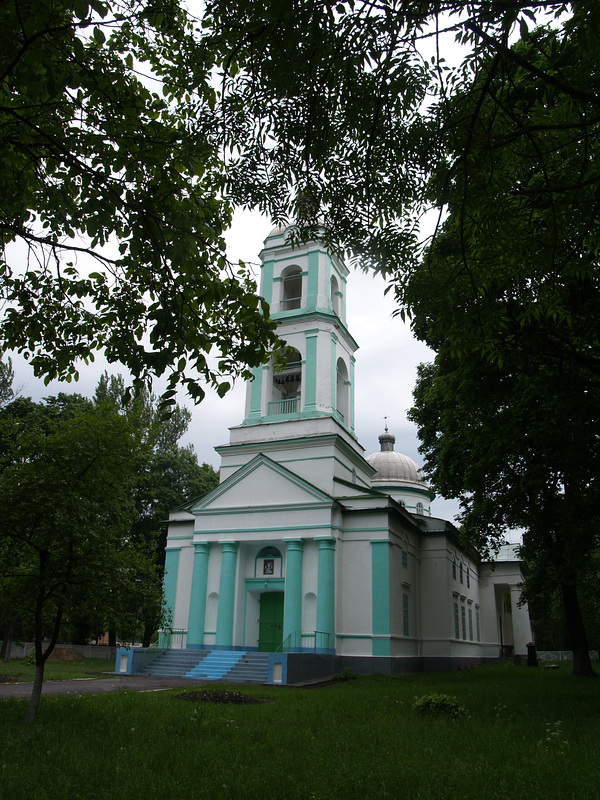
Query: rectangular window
[
  {"x": 456, "y": 623},
  {"x": 405, "y": 615},
  {"x": 468, "y": 578},
  {"x": 471, "y": 624},
  {"x": 463, "y": 614},
  {"x": 405, "y": 559},
  {"x": 477, "y": 625},
  {"x": 461, "y": 572},
  {"x": 454, "y": 570}
]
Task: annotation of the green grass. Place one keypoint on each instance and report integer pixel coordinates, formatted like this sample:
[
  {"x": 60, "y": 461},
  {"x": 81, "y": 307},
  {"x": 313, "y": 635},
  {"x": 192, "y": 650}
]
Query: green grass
[
  {"x": 527, "y": 734},
  {"x": 59, "y": 670}
]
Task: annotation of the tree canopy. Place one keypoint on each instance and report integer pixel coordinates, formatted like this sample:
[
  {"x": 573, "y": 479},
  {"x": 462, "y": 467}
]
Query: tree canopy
[
  {"x": 113, "y": 210},
  {"x": 335, "y": 113},
  {"x": 166, "y": 474},
  {"x": 507, "y": 296},
  {"x": 65, "y": 494}
]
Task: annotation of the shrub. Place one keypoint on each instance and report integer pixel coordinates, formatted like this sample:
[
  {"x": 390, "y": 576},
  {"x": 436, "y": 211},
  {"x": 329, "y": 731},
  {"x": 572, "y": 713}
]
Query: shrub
[{"x": 438, "y": 705}]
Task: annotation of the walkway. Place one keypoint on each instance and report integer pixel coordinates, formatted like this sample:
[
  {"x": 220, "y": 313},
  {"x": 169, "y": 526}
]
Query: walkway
[{"x": 115, "y": 683}]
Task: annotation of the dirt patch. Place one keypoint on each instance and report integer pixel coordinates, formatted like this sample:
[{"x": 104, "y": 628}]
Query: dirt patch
[
  {"x": 220, "y": 697},
  {"x": 9, "y": 679},
  {"x": 65, "y": 654}
]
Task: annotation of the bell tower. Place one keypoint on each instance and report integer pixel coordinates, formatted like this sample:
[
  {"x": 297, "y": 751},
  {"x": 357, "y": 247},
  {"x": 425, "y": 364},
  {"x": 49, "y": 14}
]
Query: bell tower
[
  {"x": 305, "y": 287},
  {"x": 302, "y": 414}
]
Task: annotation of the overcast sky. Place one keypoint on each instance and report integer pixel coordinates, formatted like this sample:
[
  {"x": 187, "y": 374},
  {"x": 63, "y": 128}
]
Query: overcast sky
[{"x": 386, "y": 364}]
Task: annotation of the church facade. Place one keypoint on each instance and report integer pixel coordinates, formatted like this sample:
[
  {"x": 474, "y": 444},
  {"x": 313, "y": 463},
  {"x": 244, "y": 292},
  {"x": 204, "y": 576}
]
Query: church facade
[{"x": 311, "y": 551}]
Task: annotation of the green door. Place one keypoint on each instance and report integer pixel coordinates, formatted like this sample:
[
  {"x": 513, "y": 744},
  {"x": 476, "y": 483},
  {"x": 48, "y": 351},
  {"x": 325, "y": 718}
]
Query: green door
[{"x": 270, "y": 629}]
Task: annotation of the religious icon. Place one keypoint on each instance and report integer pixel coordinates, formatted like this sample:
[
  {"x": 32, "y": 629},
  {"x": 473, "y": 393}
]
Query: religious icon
[{"x": 268, "y": 566}]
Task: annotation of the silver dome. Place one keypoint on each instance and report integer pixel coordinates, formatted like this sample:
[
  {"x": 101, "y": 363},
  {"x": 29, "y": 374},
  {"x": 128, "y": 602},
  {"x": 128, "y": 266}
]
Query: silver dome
[{"x": 394, "y": 468}]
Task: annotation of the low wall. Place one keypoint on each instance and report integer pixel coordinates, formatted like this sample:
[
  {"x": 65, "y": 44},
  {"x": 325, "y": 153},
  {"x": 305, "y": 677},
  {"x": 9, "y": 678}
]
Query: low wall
[{"x": 23, "y": 649}]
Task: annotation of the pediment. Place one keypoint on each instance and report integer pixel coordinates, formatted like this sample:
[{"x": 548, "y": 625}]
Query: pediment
[{"x": 261, "y": 483}]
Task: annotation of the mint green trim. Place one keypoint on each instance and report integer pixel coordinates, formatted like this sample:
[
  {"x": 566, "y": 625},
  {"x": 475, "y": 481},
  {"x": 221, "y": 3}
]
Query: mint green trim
[
  {"x": 300, "y": 252},
  {"x": 292, "y": 603},
  {"x": 256, "y": 393},
  {"x": 326, "y": 585},
  {"x": 227, "y": 593},
  {"x": 380, "y": 593},
  {"x": 179, "y": 538},
  {"x": 313, "y": 279},
  {"x": 263, "y": 529},
  {"x": 310, "y": 374},
  {"x": 170, "y": 580},
  {"x": 300, "y": 444},
  {"x": 267, "y": 282},
  {"x": 381, "y": 647},
  {"x": 197, "y": 611},
  {"x": 317, "y": 314},
  {"x": 252, "y": 584}
]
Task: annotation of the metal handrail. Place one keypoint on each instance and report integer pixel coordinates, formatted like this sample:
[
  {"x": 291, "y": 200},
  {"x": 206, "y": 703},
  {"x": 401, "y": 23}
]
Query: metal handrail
[{"x": 294, "y": 641}]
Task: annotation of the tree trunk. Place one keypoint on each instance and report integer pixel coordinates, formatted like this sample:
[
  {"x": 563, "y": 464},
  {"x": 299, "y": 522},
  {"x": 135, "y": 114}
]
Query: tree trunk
[
  {"x": 582, "y": 666},
  {"x": 112, "y": 637},
  {"x": 7, "y": 642},
  {"x": 147, "y": 637},
  {"x": 36, "y": 693}
]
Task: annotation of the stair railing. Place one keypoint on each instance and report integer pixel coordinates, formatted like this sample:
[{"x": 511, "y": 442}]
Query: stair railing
[{"x": 297, "y": 641}]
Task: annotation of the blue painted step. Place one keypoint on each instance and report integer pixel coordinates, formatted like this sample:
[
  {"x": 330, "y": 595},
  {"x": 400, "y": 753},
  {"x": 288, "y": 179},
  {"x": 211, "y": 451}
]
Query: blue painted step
[{"x": 216, "y": 664}]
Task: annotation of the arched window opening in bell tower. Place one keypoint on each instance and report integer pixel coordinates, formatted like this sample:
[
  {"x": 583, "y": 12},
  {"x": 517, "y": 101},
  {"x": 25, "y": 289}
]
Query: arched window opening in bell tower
[
  {"x": 342, "y": 391},
  {"x": 291, "y": 296},
  {"x": 335, "y": 296},
  {"x": 287, "y": 385}
]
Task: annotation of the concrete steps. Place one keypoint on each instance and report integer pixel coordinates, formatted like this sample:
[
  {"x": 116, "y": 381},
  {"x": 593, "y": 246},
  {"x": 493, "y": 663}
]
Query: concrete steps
[{"x": 232, "y": 666}]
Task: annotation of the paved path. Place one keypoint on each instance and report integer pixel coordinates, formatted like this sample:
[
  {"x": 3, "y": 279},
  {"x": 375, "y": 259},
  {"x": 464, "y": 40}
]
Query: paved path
[{"x": 114, "y": 683}]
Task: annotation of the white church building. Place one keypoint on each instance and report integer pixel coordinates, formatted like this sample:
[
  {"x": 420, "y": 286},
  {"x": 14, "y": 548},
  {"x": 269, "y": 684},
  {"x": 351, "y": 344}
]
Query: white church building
[{"x": 312, "y": 552}]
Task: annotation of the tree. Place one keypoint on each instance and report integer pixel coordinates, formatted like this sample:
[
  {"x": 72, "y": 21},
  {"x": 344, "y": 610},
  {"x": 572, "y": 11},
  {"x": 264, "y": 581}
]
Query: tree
[
  {"x": 102, "y": 164},
  {"x": 65, "y": 493},
  {"x": 325, "y": 107},
  {"x": 6, "y": 380},
  {"x": 166, "y": 475},
  {"x": 507, "y": 296}
]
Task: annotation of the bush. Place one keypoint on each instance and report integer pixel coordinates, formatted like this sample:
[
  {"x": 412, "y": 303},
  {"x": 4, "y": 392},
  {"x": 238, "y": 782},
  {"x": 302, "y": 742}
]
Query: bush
[{"x": 438, "y": 705}]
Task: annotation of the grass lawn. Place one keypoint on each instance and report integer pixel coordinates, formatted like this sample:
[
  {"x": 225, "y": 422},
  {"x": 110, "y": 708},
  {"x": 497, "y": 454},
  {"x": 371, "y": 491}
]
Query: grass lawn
[
  {"x": 527, "y": 734},
  {"x": 58, "y": 670}
]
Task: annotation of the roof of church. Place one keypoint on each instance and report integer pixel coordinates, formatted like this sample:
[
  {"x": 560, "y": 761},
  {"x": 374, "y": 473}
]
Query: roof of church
[{"x": 394, "y": 468}]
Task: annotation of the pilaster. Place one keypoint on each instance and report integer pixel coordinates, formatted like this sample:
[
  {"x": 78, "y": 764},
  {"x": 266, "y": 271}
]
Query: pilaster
[
  {"x": 380, "y": 591},
  {"x": 170, "y": 580},
  {"x": 227, "y": 594},
  {"x": 292, "y": 608},
  {"x": 326, "y": 588},
  {"x": 197, "y": 614}
]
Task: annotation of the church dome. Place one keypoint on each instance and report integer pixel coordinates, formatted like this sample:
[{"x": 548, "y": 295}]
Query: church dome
[
  {"x": 399, "y": 476},
  {"x": 393, "y": 467}
]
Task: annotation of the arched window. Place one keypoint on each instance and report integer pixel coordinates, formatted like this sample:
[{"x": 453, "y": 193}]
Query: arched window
[
  {"x": 268, "y": 563},
  {"x": 291, "y": 295},
  {"x": 287, "y": 385},
  {"x": 342, "y": 391},
  {"x": 419, "y": 508},
  {"x": 335, "y": 296}
]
